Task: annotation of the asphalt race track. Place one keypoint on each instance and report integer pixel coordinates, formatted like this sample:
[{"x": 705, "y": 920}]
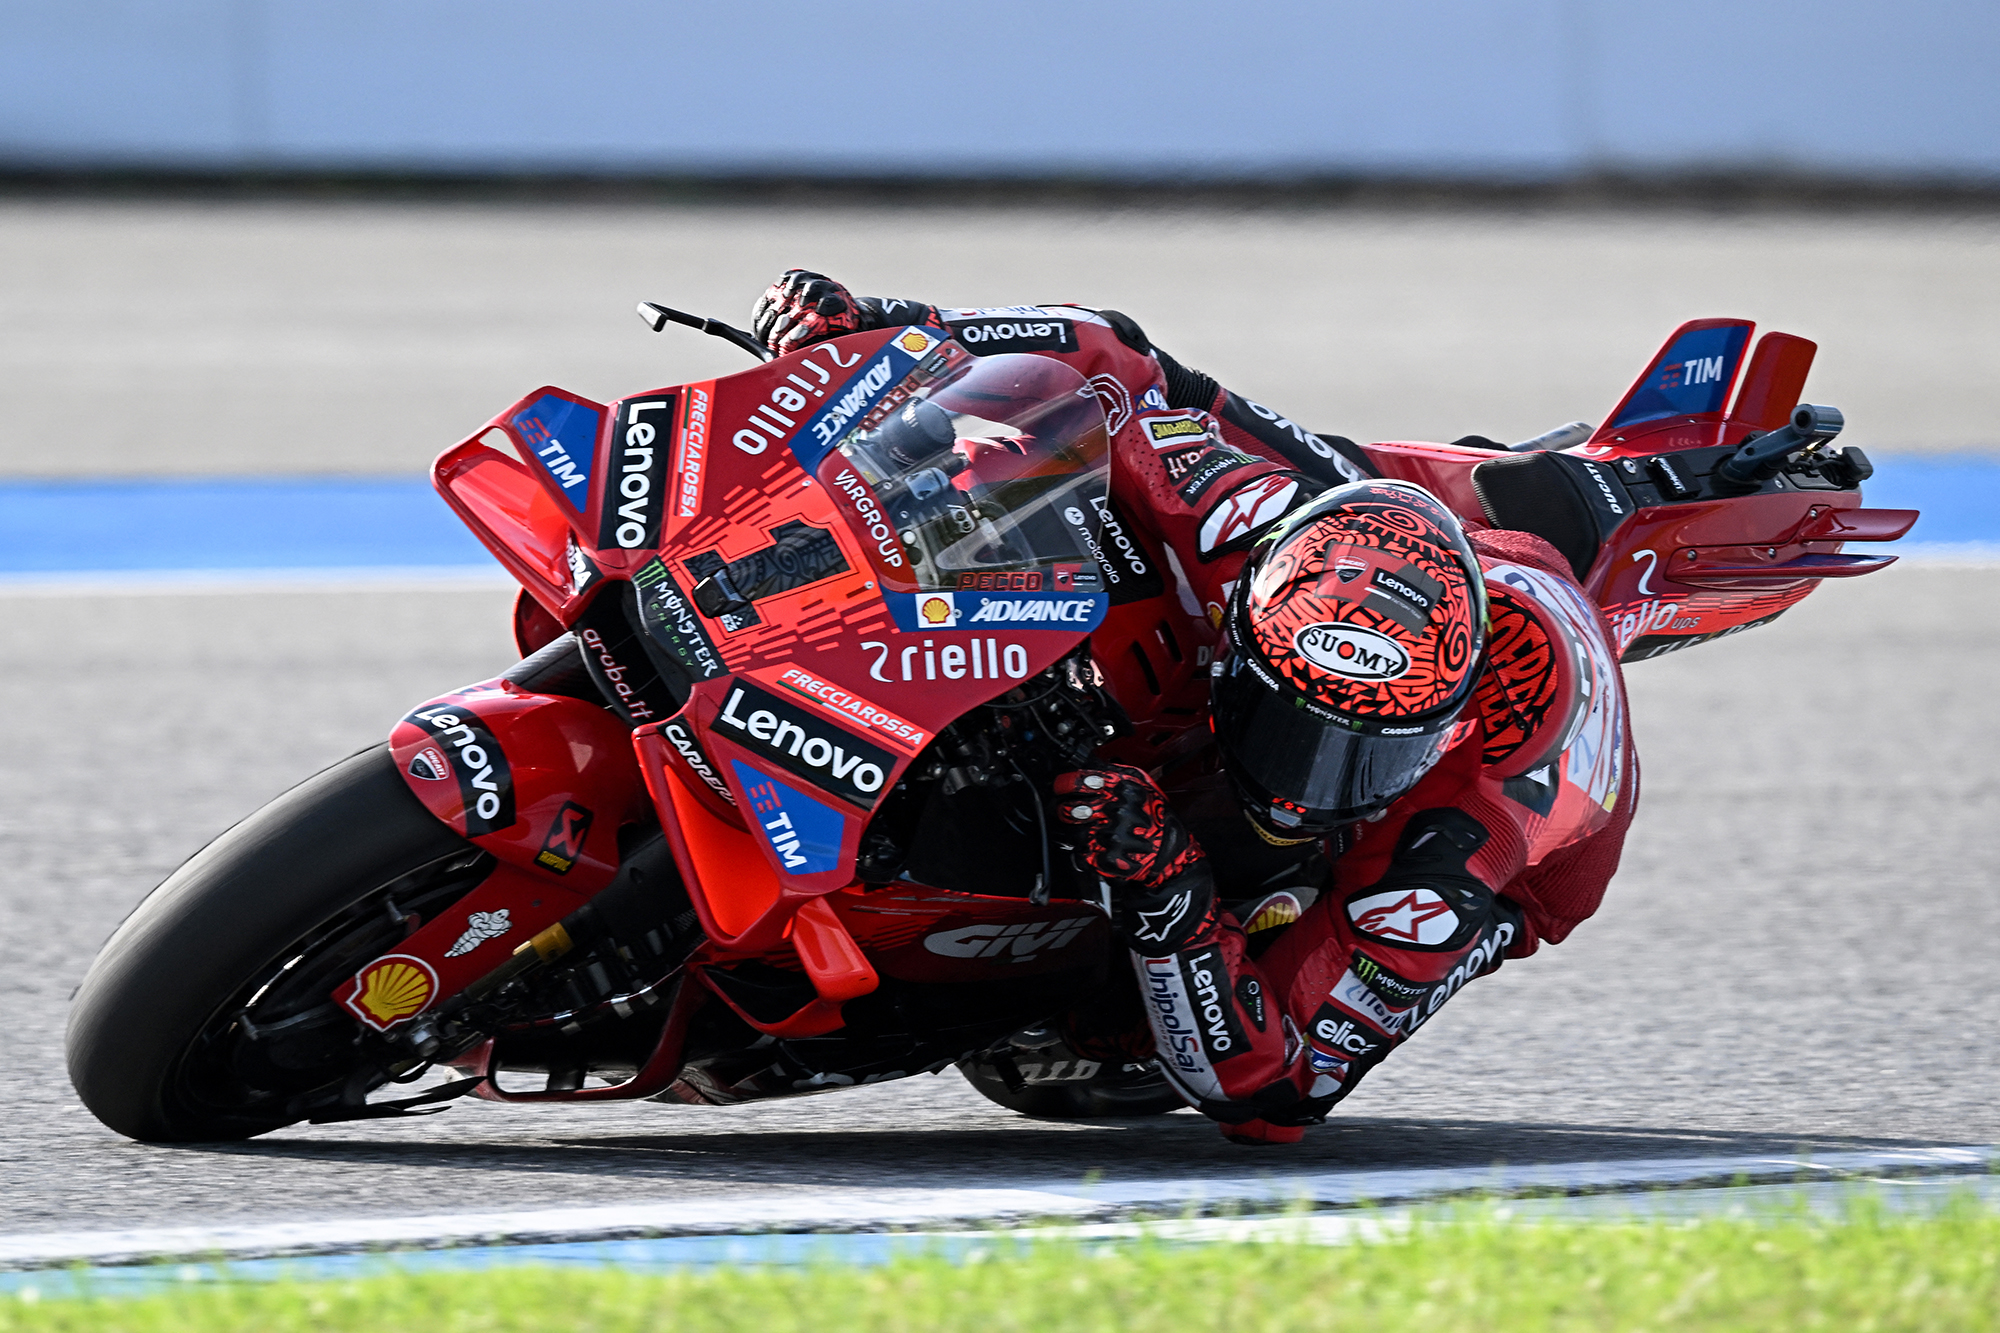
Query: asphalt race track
[{"x": 1798, "y": 951}]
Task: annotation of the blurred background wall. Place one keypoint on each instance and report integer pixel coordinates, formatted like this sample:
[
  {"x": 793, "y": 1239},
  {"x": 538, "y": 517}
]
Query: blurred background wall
[{"x": 1525, "y": 89}]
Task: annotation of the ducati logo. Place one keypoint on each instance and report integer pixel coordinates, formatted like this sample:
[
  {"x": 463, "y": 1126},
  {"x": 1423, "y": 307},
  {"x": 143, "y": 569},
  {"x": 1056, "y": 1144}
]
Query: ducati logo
[{"x": 430, "y": 764}]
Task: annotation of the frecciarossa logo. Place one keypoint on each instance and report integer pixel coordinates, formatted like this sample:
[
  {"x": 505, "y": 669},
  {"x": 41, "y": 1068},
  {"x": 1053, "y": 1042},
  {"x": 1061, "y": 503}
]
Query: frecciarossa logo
[{"x": 829, "y": 757}]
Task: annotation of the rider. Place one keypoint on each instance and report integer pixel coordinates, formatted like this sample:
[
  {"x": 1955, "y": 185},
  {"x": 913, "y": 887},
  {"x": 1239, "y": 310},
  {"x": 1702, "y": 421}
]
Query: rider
[{"x": 1435, "y": 712}]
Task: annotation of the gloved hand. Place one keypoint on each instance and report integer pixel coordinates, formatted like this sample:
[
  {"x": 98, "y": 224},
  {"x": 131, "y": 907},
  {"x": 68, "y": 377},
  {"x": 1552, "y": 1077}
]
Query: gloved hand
[
  {"x": 802, "y": 308},
  {"x": 1162, "y": 889}
]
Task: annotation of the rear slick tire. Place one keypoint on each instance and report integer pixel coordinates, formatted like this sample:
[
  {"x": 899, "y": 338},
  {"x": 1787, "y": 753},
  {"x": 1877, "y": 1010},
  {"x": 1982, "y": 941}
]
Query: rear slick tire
[{"x": 274, "y": 913}]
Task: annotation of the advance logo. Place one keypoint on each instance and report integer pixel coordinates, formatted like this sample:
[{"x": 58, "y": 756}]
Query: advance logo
[
  {"x": 827, "y": 756},
  {"x": 804, "y": 834}
]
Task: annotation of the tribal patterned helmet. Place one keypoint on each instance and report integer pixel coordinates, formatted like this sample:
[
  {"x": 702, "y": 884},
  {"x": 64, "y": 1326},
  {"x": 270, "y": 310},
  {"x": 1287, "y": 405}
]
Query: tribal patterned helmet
[{"x": 1354, "y": 639}]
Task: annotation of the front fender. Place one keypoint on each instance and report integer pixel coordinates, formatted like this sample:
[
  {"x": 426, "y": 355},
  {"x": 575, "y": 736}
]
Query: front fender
[{"x": 541, "y": 781}]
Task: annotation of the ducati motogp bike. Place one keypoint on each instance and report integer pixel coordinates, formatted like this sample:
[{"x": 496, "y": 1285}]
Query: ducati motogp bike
[{"x": 760, "y": 811}]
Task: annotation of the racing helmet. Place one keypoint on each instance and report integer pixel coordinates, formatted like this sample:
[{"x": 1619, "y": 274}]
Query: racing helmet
[{"x": 1354, "y": 638}]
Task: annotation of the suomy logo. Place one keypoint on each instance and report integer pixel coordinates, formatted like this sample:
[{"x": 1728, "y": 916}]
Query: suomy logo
[{"x": 1351, "y": 651}]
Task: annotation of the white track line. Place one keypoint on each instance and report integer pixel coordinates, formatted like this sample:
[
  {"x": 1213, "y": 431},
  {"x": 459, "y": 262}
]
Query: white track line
[{"x": 849, "y": 1210}]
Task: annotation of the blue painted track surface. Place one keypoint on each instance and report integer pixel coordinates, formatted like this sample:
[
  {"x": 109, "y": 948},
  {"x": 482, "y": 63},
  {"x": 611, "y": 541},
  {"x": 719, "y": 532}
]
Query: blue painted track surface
[{"x": 303, "y": 523}]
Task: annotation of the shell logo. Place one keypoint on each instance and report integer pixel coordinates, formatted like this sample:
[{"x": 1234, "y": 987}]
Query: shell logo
[
  {"x": 935, "y": 610},
  {"x": 391, "y": 989},
  {"x": 915, "y": 343}
]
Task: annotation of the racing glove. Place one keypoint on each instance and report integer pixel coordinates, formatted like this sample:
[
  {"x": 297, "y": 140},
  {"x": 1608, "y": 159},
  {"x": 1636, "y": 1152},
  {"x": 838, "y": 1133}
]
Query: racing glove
[
  {"x": 1162, "y": 890},
  {"x": 802, "y": 308}
]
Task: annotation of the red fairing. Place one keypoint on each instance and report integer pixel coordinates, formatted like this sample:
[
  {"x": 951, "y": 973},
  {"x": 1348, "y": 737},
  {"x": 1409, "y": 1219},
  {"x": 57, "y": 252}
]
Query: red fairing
[{"x": 543, "y": 783}]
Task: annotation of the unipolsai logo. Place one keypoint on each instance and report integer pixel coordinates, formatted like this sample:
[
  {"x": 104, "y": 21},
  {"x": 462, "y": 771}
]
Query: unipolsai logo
[{"x": 1351, "y": 651}]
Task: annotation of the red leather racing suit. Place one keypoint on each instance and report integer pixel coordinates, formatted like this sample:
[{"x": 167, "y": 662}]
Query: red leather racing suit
[{"x": 1508, "y": 842}]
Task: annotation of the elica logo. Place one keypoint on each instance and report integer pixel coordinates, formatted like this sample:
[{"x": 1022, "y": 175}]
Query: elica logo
[
  {"x": 1017, "y": 943},
  {"x": 633, "y": 512},
  {"x": 1340, "y": 1032},
  {"x": 485, "y": 783},
  {"x": 1351, "y": 651},
  {"x": 827, "y": 757}
]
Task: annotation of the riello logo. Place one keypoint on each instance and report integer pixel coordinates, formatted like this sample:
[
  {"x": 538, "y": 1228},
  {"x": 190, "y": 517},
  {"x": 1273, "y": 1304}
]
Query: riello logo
[{"x": 1351, "y": 651}]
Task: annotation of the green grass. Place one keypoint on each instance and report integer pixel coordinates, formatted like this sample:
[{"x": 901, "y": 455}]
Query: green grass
[{"x": 1869, "y": 1270}]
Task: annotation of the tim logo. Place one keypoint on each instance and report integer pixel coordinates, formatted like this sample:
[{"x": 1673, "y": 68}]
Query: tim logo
[{"x": 1700, "y": 370}]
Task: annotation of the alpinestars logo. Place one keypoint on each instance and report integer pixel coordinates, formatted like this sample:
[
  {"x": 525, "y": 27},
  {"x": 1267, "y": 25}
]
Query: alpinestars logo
[
  {"x": 1155, "y": 927},
  {"x": 1417, "y": 918}
]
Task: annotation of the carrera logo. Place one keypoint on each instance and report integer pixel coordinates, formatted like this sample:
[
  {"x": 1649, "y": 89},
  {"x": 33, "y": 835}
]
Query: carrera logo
[
  {"x": 1351, "y": 651},
  {"x": 632, "y": 507},
  {"x": 485, "y": 783},
  {"x": 1406, "y": 916},
  {"x": 682, "y": 739},
  {"x": 987, "y": 336},
  {"x": 1017, "y": 943},
  {"x": 827, "y": 757}
]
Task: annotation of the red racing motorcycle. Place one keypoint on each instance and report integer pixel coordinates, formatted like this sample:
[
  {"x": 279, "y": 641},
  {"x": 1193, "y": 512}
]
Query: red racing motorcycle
[{"x": 761, "y": 810}]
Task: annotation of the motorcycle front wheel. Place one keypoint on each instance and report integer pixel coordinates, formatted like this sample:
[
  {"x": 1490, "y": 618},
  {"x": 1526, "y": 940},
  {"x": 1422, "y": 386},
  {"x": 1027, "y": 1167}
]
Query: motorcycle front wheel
[{"x": 206, "y": 1016}]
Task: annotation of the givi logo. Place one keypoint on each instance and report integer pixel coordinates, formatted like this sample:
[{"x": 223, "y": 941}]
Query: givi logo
[{"x": 1016, "y": 943}]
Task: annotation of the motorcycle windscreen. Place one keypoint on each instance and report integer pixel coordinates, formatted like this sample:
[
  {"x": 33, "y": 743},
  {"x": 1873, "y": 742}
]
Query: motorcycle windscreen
[
  {"x": 990, "y": 474},
  {"x": 1281, "y": 749}
]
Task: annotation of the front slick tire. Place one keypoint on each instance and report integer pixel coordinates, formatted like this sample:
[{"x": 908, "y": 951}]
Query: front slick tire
[{"x": 265, "y": 920}]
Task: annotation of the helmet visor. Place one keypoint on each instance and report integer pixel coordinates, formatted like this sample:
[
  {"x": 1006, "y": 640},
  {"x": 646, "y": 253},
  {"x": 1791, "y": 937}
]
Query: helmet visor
[{"x": 1284, "y": 750}]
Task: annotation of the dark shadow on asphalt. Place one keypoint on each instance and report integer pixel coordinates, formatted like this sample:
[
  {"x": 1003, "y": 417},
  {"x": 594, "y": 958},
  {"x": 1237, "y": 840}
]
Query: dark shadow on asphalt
[{"x": 1179, "y": 1145}]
